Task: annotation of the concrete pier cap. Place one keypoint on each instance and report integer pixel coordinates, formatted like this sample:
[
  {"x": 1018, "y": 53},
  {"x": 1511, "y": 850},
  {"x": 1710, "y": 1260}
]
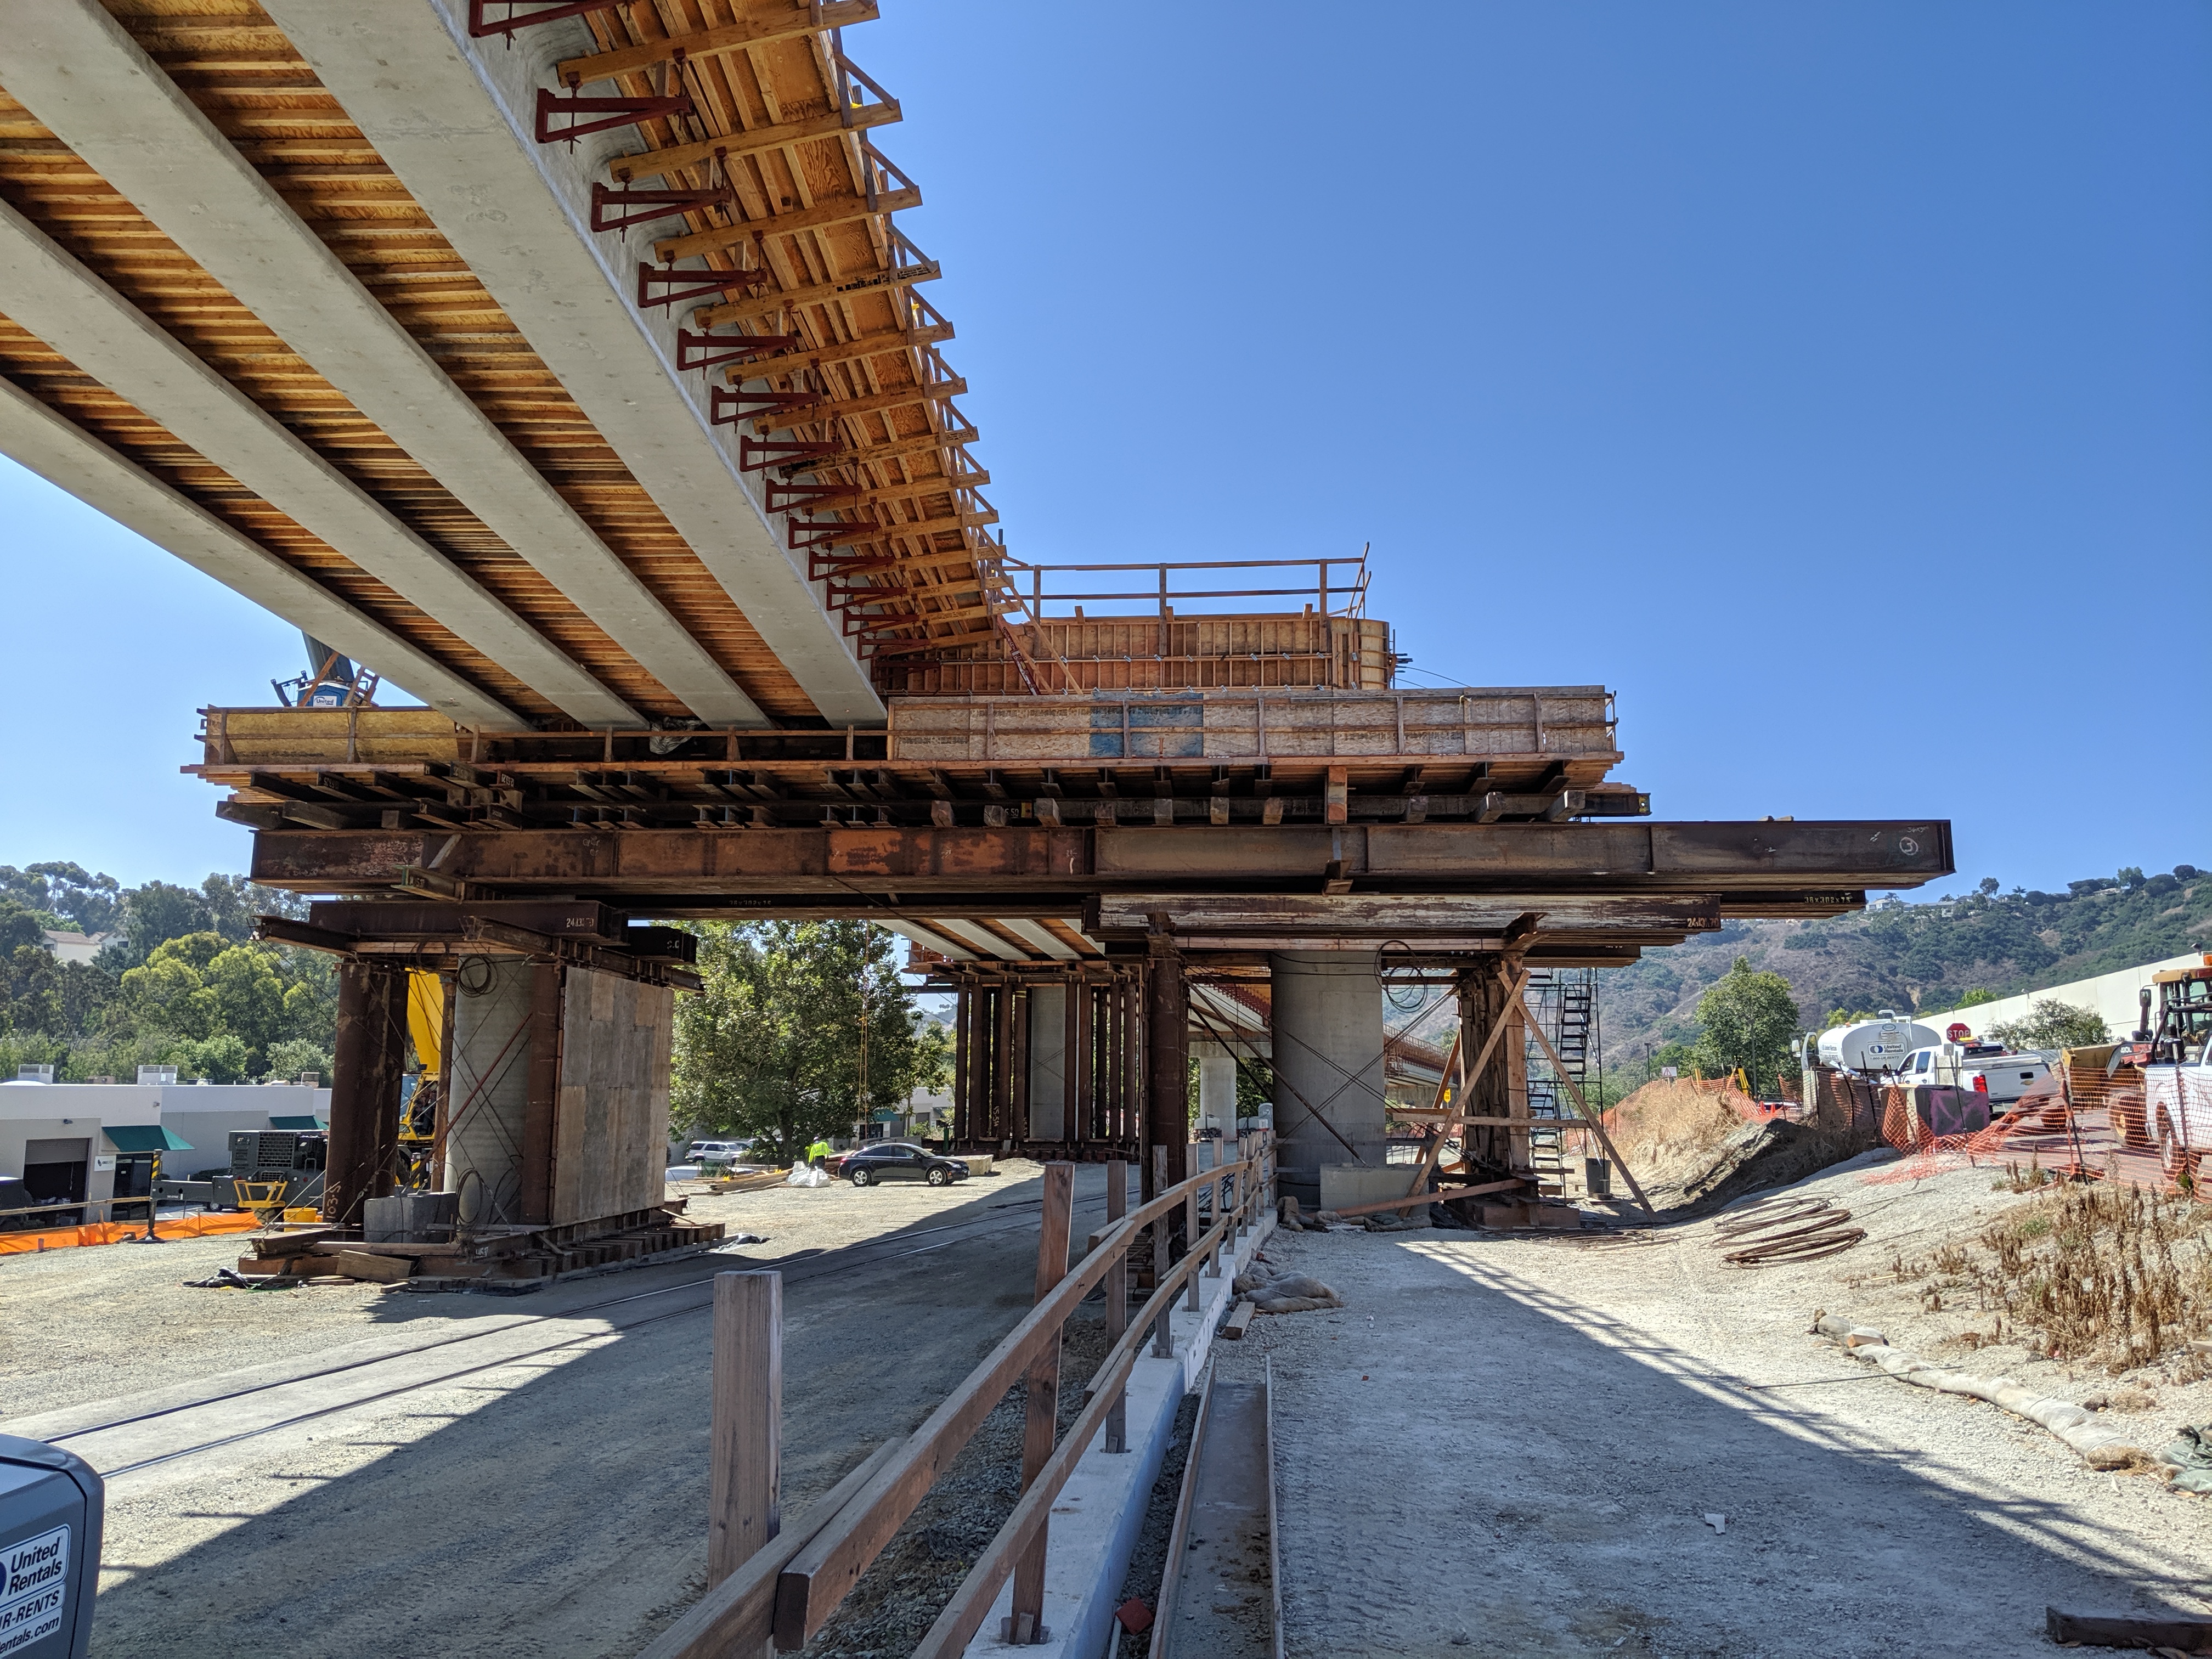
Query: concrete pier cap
[{"x": 1327, "y": 1029}]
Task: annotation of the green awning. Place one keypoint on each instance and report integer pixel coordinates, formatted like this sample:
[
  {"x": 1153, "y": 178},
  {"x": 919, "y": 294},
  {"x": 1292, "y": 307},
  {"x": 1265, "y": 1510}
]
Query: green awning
[
  {"x": 144, "y": 1138},
  {"x": 297, "y": 1123}
]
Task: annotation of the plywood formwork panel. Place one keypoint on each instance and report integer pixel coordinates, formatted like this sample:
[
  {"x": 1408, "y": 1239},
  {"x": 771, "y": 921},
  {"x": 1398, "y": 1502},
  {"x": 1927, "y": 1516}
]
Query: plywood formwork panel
[
  {"x": 610, "y": 1135},
  {"x": 1148, "y": 654},
  {"x": 1564, "y": 723}
]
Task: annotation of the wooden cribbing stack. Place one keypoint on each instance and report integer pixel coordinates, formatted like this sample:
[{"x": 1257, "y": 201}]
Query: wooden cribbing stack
[{"x": 509, "y": 1256}]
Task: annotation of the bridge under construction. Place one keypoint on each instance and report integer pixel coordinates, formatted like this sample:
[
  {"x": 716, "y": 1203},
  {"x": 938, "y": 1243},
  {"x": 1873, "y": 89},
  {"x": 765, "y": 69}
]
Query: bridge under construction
[{"x": 566, "y": 365}]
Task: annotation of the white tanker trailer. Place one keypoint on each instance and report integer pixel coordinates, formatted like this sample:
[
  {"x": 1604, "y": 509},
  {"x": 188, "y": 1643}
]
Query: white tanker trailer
[{"x": 1877, "y": 1045}]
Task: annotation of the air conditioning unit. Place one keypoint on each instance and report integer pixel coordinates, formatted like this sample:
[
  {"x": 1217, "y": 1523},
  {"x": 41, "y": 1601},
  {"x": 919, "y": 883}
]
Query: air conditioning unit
[
  {"x": 34, "y": 1074},
  {"x": 157, "y": 1074}
]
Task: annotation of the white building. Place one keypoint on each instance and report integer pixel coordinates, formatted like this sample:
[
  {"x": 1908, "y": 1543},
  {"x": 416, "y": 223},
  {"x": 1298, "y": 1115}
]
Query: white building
[
  {"x": 77, "y": 947},
  {"x": 78, "y": 1142},
  {"x": 2115, "y": 998}
]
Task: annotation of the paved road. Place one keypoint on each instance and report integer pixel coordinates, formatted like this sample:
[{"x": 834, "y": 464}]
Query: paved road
[{"x": 520, "y": 1477}]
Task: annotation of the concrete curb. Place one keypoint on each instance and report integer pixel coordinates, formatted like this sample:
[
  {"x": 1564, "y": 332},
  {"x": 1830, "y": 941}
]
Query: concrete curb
[{"x": 1101, "y": 1509}]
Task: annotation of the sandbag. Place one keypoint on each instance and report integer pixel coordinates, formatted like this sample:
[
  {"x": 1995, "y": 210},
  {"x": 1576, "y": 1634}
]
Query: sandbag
[
  {"x": 2191, "y": 1455},
  {"x": 1290, "y": 1293}
]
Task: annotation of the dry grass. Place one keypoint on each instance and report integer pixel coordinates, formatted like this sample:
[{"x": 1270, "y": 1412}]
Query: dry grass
[{"x": 2109, "y": 1276}]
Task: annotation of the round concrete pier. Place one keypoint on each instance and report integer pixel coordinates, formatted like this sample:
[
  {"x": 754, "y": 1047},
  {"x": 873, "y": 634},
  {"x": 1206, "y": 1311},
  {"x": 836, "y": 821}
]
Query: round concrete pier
[{"x": 1327, "y": 1026}]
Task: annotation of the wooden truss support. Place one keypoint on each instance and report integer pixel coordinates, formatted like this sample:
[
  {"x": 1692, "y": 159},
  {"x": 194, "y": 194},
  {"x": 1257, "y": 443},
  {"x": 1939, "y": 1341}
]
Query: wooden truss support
[
  {"x": 837, "y": 410},
  {"x": 842, "y": 210},
  {"x": 715, "y": 42},
  {"x": 876, "y": 282},
  {"x": 658, "y": 163},
  {"x": 846, "y": 351},
  {"x": 857, "y": 534}
]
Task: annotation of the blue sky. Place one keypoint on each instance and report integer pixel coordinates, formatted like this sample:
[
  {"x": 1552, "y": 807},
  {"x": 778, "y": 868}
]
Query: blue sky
[{"x": 1833, "y": 381}]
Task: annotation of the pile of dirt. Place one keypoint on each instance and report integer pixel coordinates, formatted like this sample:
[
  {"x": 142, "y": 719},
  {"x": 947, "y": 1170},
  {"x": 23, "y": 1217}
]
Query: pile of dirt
[{"x": 1695, "y": 1144}]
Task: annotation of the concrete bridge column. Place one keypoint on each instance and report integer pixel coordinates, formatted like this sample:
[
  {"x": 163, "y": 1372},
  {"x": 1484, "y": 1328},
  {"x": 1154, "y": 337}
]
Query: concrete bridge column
[
  {"x": 1217, "y": 1088},
  {"x": 1050, "y": 1119},
  {"x": 1327, "y": 1027}
]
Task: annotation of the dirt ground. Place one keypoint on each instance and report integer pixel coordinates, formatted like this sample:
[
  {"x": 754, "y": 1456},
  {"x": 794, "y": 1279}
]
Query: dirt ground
[
  {"x": 552, "y": 1506},
  {"x": 1510, "y": 1444}
]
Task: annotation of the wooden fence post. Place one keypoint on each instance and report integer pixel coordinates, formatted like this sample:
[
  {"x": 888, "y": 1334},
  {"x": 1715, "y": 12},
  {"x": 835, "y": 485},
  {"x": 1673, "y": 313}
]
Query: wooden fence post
[
  {"x": 746, "y": 1444},
  {"x": 1117, "y": 1300},
  {"x": 1190, "y": 1233},
  {"x": 1162, "y": 1339},
  {"x": 1040, "y": 1412}
]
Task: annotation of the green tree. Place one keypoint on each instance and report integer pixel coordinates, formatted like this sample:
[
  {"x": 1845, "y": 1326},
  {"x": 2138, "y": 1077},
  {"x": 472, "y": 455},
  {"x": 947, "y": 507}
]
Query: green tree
[
  {"x": 170, "y": 988},
  {"x": 2050, "y": 1023},
  {"x": 249, "y": 994},
  {"x": 292, "y": 1058},
  {"x": 1746, "y": 1020},
  {"x": 771, "y": 1046},
  {"x": 157, "y": 913}
]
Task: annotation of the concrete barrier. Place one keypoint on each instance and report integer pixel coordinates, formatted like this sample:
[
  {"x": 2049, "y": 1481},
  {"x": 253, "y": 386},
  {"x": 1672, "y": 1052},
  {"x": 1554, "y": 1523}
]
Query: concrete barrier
[{"x": 1101, "y": 1509}]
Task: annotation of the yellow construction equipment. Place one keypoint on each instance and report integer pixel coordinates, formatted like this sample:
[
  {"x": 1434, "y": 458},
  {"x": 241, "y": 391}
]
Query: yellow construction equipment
[
  {"x": 418, "y": 1122},
  {"x": 264, "y": 1198}
]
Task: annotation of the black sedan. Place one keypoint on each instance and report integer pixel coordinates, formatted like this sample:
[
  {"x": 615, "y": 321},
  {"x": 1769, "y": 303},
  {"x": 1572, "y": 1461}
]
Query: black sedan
[{"x": 901, "y": 1160}]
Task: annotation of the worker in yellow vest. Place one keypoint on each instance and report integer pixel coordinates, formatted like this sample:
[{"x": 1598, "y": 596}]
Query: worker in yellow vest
[{"x": 818, "y": 1153}]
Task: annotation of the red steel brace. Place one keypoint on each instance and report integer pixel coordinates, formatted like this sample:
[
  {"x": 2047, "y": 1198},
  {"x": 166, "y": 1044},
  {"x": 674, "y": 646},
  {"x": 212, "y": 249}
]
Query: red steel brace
[
  {"x": 754, "y": 456},
  {"x": 783, "y": 498},
  {"x": 726, "y": 408},
  {"x": 705, "y": 284},
  {"x": 741, "y": 349},
  {"x": 824, "y": 532},
  {"x": 656, "y": 204},
  {"x": 612, "y": 112},
  {"x": 549, "y": 11}
]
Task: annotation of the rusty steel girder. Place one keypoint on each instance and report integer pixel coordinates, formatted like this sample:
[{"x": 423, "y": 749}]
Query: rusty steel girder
[{"x": 1752, "y": 867}]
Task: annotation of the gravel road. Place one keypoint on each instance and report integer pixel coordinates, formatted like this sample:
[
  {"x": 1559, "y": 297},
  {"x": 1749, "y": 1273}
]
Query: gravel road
[
  {"x": 552, "y": 1506},
  {"x": 1509, "y": 1444}
]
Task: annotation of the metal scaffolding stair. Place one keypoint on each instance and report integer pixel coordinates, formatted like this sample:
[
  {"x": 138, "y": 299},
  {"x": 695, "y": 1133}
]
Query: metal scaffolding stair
[{"x": 1566, "y": 1001}]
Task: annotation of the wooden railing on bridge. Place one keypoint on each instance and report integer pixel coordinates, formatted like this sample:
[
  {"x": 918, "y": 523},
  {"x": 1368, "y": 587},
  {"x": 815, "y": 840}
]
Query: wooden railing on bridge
[{"x": 787, "y": 1588}]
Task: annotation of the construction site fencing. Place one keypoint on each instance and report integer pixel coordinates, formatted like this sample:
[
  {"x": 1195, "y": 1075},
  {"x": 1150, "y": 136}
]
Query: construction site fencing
[
  {"x": 29, "y": 1243},
  {"x": 787, "y": 1589},
  {"x": 2085, "y": 1122}
]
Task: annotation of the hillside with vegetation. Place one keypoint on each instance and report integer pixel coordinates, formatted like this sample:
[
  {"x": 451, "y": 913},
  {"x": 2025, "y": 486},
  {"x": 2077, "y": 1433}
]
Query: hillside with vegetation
[
  {"x": 177, "y": 981},
  {"x": 1966, "y": 946}
]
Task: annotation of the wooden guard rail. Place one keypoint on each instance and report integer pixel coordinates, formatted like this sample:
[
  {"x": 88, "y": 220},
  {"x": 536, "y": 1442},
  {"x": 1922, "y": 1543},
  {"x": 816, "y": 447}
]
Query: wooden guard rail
[{"x": 788, "y": 1588}]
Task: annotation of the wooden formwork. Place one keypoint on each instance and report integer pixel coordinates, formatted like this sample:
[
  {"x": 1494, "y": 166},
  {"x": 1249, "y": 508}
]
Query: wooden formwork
[
  {"x": 1564, "y": 723},
  {"x": 1143, "y": 654}
]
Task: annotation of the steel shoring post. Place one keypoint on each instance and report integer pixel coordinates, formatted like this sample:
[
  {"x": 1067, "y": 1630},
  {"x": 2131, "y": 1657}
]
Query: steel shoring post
[
  {"x": 963, "y": 1017},
  {"x": 1117, "y": 1300},
  {"x": 1162, "y": 1341}
]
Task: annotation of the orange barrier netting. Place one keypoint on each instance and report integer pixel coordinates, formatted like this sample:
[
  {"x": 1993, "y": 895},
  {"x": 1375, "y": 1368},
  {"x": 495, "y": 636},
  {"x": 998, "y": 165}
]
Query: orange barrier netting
[
  {"x": 108, "y": 1232},
  {"x": 2088, "y": 1126}
]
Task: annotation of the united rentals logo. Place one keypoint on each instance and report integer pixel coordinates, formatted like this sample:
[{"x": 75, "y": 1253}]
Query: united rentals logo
[{"x": 36, "y": 1573}]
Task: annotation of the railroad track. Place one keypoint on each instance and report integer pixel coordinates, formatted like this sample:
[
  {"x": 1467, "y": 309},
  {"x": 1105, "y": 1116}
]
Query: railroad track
[{"x": 161, "y": 1435}]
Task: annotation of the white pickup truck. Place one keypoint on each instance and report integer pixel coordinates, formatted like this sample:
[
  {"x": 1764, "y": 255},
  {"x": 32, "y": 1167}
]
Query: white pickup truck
[
  {"x": 2002, "y": 1077},
  {"x": 2177, "y": 1101}
]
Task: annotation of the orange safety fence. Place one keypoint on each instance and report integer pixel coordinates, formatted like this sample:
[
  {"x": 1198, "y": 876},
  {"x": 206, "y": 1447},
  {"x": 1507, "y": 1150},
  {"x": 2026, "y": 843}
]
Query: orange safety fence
[
  {"x": 2089, "y": 1126},
  {"x": 108, "y": 1232}
]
